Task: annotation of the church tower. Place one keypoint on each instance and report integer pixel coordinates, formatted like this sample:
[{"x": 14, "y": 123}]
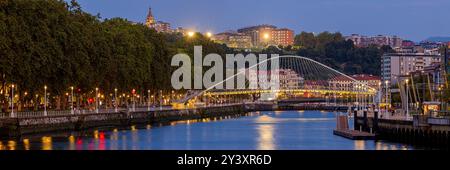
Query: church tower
[{"x": 150, "y": 22}]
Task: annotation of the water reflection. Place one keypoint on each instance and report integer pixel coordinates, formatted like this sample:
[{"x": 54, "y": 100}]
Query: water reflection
[
  {"x": 360, "y": 145},
  {"x": 288, "y": 130},
  {"x": 12, "y": 145},
  {"x": 72, "y": 145},
  {"x": 134, "y": 139},
  {"x": 26, "y": 144},
  {"x": 266, "y": 133},
  {"x": 113, "y": 140},
  {"x": 47, "y": 143}
]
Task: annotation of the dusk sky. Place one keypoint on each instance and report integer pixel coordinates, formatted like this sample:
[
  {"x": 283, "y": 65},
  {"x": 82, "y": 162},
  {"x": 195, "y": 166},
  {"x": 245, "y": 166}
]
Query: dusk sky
[{"x": 410, "y": 19}]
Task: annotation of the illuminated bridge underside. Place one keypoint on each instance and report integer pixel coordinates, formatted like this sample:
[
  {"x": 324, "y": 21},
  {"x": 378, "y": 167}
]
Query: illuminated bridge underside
[{"x": 324, "y": 91}]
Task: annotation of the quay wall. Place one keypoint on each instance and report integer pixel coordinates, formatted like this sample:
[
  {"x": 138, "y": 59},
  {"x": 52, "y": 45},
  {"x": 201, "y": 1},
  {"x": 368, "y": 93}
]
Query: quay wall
[
  {"x": 421, "y": 131},
  {"x": 16, "y": 127}
]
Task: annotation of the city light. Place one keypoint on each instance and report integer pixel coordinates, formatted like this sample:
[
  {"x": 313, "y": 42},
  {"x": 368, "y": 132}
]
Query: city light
[
  {"x": 45, "y": 100},
  {"x": 209, "y": 34},
  {"x": 191, "y": 34},
  {"x": 266, "y": 36},
  {"x": 319, "y": 75}
]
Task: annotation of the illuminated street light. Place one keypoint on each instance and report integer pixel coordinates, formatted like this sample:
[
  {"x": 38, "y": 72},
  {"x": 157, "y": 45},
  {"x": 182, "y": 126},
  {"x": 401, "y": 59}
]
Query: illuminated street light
[
  {"x": 407, "y": 94},
  {"x": 12, "y": 100},
  {"x": 160, "y": 99},
  {"x": 115, "y": 99},
  {"x": 266, "y": 36},
  {"x": 96, "y": 100},
  {"x": 148, "y": 93},
  {"x": 190, "y": 34},
  {"x": 71, "y": 101},
  {"x": 133, "y": 99},
  {"x": 45, "y": 100},
  {"x": 387, "y": 89},
  {"x": 209, "y": 34}
]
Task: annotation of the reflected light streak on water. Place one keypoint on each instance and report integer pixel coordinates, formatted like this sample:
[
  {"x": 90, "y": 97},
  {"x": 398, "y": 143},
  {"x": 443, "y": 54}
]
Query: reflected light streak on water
[{"x": 283, "y": 130}]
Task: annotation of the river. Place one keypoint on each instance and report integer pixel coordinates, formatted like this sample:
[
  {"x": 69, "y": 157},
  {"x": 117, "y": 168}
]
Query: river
[{"x": 284, "y": 130}]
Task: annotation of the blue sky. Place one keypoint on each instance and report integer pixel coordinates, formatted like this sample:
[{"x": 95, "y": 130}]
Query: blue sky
[{"x": 410, "y": 19}]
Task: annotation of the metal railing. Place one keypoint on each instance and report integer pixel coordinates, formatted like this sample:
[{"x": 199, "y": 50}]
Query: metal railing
[{"x": 30, "y": 114}]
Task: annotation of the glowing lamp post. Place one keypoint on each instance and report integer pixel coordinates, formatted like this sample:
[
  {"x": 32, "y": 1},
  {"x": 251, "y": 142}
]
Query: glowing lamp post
[
  {"x": 96, "y": 100},
  {"x": 190, "y": 34},
  {"x": 386, "y": 101},
  {"x": 160, "y": 100},
  {"x": 71, "y": 101},
  {"x": 45, "y": 100},
  {"x": 407, "y": 102},
  {"x": 209, "y": 34},
  {"x": 133, "y": 92},
  {"x": 379, "y": 95},
  {"x": 12, "y": 100},
  {"x": 115, "y": 100},
  {"x": 148, "y": 102}
]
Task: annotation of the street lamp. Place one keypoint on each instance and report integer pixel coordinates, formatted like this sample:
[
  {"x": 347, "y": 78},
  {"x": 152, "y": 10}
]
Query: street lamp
[
  {"x": 96, "y": 100},
  {"x": 133, "y": 99},
  {"x": 160, "y": 99},
  {"x": 45, "y": 100},
  {"x": 190, "y": 34},
  {"x": 209, "y": 34},
  {"x": 115, "y": 100},
  {"x": 148, "y": 107},
  {"x": 12, "y": 100},
  {"x": 266, "y": 36},
  {"x": 71, "y": 101},
  {"x": 407, "y": 102},
  {"x": 387, "y": 89},
  {"x": 379, "y": 94}
]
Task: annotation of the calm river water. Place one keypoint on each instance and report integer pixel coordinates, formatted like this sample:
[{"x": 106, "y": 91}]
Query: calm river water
[{"x": 286, "y": 130}]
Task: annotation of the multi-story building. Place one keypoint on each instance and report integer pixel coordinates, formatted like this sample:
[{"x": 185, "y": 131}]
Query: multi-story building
[
  {"x": 180, "y": 30},
  {"x": 161, "y": 26},
  {"x": 239, "y": 41},
  {"x": 346, "y": 83},
  {"x": 357, "y": 39},
  {"x": 408, "y": 43},
  {"x": 430, "y": 45},
  {"x": 369, "y": 80},
  {"x": 283, "y": 37},
  {"x": 379, "y": 40},
  {"x": 264, "y": 35},
  {"x": 222, "y": 37},
  {"x": 396, "y": 65},
  {"x": 234, "y": 40},
  {"x": 288, "y": 78},
  {"x": 261, "y": 34}
]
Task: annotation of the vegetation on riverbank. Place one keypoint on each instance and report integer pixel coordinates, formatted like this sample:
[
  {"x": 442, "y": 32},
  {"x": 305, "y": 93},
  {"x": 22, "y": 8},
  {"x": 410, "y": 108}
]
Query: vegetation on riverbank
[{"x": 56, "y": 44}]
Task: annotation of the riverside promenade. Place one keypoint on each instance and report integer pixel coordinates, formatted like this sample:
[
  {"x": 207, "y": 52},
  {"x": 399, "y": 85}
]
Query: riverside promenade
[{"x": 30, "y": 123}]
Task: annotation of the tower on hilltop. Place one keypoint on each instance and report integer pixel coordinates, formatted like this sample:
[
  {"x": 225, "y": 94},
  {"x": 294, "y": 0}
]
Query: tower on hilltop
[{"x": 150, "y": 21}]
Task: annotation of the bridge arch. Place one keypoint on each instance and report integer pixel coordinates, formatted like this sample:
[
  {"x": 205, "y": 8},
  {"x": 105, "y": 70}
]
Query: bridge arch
[{"x": 313, "y": 74}]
